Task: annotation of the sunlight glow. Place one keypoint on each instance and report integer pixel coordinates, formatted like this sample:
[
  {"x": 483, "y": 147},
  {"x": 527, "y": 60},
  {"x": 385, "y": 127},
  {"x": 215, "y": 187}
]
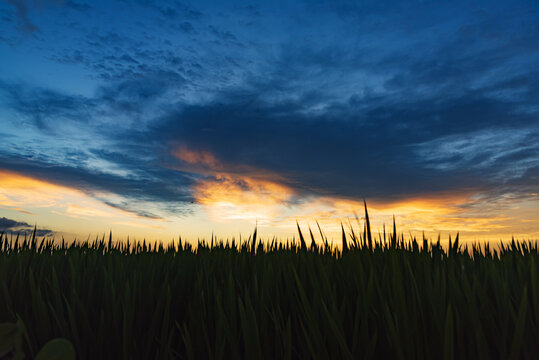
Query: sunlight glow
[
  {"x": 248, "y": 196},
  {"x": 231, "y": 203},
  {"x": 233, "y": 197}
]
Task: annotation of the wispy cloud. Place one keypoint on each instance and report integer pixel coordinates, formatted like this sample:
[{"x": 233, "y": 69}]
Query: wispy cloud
[{"x": 21, "y": 10}]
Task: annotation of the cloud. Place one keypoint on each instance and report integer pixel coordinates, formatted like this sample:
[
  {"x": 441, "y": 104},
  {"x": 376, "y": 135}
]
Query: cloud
[
  {"x": 21, "y": 227},
  {"x": 508, "y": 153},
  {"x": 24, "y": 7},
  {"x": 341, "y": 100},
  {"x": 6, "y": 223},
  {"x": 344, "y": 152},
  {"x": 44, "y": 197},
  {"x": 21, "y": 8},
  {"x": 44, "y": 107},
  {"x": 126, "y": 206},
  {"x": 172, "y": 191},
  {"x": 371, "y": 145}
]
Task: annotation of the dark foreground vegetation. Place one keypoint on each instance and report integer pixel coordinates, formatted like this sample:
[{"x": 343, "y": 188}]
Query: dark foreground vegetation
[{"x": 383, "y": 297}]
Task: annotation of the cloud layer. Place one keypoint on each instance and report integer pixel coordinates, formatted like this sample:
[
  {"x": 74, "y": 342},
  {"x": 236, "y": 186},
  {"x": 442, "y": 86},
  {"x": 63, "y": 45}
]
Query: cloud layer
[{"x": 381, "y": 101}]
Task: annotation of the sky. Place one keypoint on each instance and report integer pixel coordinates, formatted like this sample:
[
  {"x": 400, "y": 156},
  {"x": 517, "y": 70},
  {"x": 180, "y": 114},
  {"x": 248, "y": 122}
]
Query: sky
[{"x": 160, "y": 119}]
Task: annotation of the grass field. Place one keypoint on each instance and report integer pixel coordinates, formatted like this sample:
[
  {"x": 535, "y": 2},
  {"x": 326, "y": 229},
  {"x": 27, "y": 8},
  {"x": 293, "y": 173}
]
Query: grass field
[{"x": 373, "y": 297}]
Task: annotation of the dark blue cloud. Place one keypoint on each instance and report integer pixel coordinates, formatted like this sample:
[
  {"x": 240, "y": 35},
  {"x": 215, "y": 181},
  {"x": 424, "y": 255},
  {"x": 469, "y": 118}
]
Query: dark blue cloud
[
  {"x": 21, "y": 227},
  {"x": 43, "y": 106},
  {"x": 382, "y": 152}
]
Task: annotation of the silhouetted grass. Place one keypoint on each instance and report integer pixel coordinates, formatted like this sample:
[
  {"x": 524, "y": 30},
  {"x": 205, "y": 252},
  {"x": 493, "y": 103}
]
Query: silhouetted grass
[{"x": 374, "y": 297}]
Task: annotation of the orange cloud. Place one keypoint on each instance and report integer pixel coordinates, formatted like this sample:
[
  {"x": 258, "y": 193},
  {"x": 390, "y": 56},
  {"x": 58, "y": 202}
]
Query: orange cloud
[
  {"x": 206, "y": 163},
  {"x": 196, "y": 157},
  {"x": 234, "y": 192},
  {"x": 233, "y": 197},
  {"x": 20, "y": 193}
]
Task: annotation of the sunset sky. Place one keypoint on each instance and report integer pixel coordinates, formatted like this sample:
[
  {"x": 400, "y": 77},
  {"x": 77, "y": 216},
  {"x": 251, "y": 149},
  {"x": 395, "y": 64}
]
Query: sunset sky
[{"x": 159, "y": 119}]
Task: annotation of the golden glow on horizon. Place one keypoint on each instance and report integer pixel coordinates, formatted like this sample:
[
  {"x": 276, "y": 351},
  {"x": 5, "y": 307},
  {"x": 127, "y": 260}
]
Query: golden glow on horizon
[
  {"x": 232, "y": 204},
  {"x": 138, "y": 225},
  {"x": 415, "y": 215},
  {"x": 52, "y": 204},
  {"x": 436, "y": 215}
]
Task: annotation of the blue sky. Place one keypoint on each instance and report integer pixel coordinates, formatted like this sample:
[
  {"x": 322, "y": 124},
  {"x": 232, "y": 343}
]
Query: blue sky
[{"x": 161, "y": 109}]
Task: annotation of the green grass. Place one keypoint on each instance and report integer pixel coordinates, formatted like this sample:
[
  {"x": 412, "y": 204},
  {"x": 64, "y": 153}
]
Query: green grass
[{"x": 374, "y": 297}]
